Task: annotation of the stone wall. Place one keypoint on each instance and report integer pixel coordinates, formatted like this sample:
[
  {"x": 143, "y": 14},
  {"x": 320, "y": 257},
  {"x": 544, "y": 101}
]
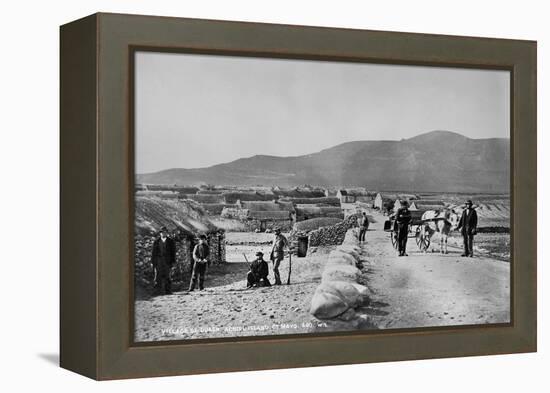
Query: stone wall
[
  {"x": 253, "y": 225},
  {"x": 340, "y": 293},
  {"x": 326, "y": 236}
]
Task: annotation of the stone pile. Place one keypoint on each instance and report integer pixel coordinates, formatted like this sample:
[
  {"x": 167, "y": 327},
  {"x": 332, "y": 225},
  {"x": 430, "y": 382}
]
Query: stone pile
[
  {"x": 340, "y": 293},
  {"x": 327, "y": 236}
]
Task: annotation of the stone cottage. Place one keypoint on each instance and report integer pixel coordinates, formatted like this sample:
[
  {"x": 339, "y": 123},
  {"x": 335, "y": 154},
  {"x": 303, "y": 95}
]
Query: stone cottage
[{"x": 185, "y": 220}]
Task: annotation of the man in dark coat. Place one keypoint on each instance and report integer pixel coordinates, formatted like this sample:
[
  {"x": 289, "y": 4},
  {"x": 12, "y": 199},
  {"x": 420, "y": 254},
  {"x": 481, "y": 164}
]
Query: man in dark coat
[
  {"x": 402, "y": 220},
  {"x": 163, "y": 258},
  {"x": 201, "y": 252},
  {"x": 278, "y": 254},
  {"x": 363, "y": 226},
  {"x": 468, "y": 227},
  {"x": 259, "y": 270}
]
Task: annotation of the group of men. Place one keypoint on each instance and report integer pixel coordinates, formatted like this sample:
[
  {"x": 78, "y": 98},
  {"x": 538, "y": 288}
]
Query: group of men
[
  {"x": 467, "y": 226},
  {"x": 257, "y": 276},
  {"x": 163, "y": 258}
]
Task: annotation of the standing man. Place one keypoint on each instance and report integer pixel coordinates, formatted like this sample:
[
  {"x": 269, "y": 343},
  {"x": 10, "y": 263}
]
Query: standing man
[
  {"x": 403, "y": 219},
  {"x": 468, "y": 225},
  {"x": 201, "y": 253},
  {"x": 163, "y": 258},
  {"x": 278, "y": 253},
  {"x": 259, "y": 270},
  {"x": 363, "y": 227}
]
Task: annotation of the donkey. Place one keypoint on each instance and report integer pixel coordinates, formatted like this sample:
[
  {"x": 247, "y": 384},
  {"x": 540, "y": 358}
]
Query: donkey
[{"x": 442, "y": 221}]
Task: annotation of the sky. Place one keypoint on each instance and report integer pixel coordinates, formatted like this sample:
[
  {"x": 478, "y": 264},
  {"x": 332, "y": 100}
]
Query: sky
[{"x": 195, "y": 111}]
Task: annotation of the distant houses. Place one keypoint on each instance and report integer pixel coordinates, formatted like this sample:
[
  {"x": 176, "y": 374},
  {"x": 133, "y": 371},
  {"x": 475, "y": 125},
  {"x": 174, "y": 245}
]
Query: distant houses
[
  {"x": 387, "y": 202},
  {"x": 354, "y": 195},
  {"x": 261, "y": 215},
  {"x": 427, "y": 204}
]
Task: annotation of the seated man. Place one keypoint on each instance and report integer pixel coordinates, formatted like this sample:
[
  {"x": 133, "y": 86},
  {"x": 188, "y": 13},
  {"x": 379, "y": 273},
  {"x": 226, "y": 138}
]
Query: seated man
[{"x": 257, "y": 275}]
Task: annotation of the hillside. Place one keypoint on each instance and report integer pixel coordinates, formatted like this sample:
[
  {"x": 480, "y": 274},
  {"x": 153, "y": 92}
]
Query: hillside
[{"x": 438, "y": 160}]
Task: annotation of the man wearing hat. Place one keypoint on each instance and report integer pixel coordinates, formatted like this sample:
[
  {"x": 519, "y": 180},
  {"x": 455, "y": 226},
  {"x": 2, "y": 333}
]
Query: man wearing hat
[
  {"x": 201, "y": 252},
  {"x": 402, "y": 220},
  {"x": 363, "y": 227},
  {"x": 278, "y": 253},
  {"x": 259, "y": 270},
  {"x": 468, "y": 227},
  {"x": 163, "y": 258}
]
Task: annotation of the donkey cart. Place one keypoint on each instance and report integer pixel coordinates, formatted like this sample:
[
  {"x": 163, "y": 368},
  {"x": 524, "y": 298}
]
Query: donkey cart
[{"x": 415, "y": 230}]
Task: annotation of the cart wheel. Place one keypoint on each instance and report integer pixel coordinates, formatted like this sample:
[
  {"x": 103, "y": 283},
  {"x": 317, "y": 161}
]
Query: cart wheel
[
  {"x": 393, "y": 238},
  {"x": 424, "y": 242},
  {"x": 418, "y": 236}
]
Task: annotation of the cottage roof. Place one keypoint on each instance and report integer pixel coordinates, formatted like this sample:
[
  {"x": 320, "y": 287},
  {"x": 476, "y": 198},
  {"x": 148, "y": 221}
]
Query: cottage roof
[
  {"x": 177, "y": 215},
  {"x": 316, "y": 223},
  {"x": 233, "y": 197},
  {"x": 299, "y": 193},
  {"x": 269, "y": 215},
  {"x": 331, "y": 201},
  {"x": 204, "y": 198},
  {"x": 267, "y": 206}
]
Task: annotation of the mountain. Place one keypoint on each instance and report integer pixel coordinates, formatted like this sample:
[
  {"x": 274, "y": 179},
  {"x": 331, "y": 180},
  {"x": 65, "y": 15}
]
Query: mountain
[{"x": 435, "y": 161}]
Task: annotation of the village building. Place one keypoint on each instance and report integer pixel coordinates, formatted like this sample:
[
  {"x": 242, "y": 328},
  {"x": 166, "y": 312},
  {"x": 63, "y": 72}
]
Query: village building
[
  {"x": 320, "y": 201},
  {"x": 344, "y": 196},
  {"x": 232, "y": 197},
  {"x": 299, "y": 193},
  {"x": 204, "y": 198},
  {"x": 185, "y": 220},
  {"x": 356, "y": 195},
  {"x": 262, "y": 215},
  {"x": 186, "y": 190},
  {"x": 391, "y": 202},
  {"x": 382, "y": 201}
]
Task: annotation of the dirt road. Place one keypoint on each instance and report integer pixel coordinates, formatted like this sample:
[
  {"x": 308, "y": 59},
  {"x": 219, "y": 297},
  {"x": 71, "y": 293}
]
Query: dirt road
[
  {"x": 433, "y": 289},
  {"x": 226, "y": 309}
]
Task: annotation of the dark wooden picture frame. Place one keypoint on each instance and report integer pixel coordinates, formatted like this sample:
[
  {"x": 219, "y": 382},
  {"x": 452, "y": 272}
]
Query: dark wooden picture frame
[{"x": 97, "y": 195}]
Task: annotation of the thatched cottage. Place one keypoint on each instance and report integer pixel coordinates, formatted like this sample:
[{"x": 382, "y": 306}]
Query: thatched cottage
[
  {"x": 262, "y": 215},
  {"x": 185, "y": 221}
]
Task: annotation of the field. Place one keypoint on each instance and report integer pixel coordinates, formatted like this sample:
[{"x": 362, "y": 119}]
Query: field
[{"x": 398, "y": 300}]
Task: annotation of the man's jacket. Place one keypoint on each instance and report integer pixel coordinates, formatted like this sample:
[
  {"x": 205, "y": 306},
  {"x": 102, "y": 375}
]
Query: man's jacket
[
  {"x": 164, "y": 253},
  {"x": 259, "y": 269},
  {"x": 201, "y": 252},
  {"x": 468, "y": 222},
  {"x": 403, "y": 217},
  {"x": 279, "y": 245}
]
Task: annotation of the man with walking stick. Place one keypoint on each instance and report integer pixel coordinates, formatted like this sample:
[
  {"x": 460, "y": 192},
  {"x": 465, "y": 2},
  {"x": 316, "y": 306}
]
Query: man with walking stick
[
  {"x": 201, "y": 252},
  {"x": 278, "y": 253},
  {"x": 162, "y": 259}
]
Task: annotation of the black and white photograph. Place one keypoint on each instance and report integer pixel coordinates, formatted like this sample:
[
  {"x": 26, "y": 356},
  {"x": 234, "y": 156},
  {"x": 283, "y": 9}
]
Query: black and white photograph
[{"x": 295, "y": 197}]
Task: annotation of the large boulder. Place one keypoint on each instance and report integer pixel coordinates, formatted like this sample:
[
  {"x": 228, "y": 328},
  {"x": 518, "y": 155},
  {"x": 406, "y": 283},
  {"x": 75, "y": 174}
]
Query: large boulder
[
  {"x": 345, "y": 290},
  {"x": 342, "y": 255},
  {"x": 364, "y": 292},
  {"x": 339, "y": 261},
  {"x": 327, "y": 304},
  {"x": 340, "y": 273},
  {"x": 349, "y": 249}
]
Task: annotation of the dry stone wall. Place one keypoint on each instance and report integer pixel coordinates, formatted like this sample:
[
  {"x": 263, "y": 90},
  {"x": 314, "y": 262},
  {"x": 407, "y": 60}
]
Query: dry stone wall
[
  {"x": 340, "y": 292},
  {"x": 332, "y": 235}
]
